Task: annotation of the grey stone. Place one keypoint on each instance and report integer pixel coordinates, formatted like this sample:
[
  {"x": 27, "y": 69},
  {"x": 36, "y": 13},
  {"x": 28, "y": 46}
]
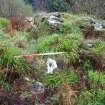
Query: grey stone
[
  {"x": 38, "y": 87},
  {"x": 56, "y": 14},
  {"x": 54, "y": 22},
  {"x": 98, "y": 25}
]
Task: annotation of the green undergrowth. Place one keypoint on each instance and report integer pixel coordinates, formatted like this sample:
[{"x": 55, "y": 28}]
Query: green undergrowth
[
  {"x": 91, "y": 97},
  {"x": 3, "y": 22},
  {"x": 99, "y": 46},
  {"x": 95, "y": 95},
  {"x": 69, "y": 25},
  {"x": 55, "y": 80},
  {"x": 96, "y": 77}
]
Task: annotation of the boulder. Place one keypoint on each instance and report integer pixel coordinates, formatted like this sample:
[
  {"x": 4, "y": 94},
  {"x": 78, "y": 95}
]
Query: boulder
[
  {"x": 54, "y": 22},
  {"x": 40, "y": 17},
  {"x": 38, "y": 87},
  {"x": 56, "y": 14},
  {"x": 98, "y": 25},
  {"x": 38, "y": 90},
  {"x": 89, "y": 19}
]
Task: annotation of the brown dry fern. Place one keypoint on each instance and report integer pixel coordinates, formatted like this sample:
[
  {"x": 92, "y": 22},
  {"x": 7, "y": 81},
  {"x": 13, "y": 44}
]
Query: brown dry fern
[{"x": 66, "y": 94}]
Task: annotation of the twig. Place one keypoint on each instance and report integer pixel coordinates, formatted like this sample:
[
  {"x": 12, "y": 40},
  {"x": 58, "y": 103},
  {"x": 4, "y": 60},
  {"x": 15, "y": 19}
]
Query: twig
[{"x": 42, "y": 54}]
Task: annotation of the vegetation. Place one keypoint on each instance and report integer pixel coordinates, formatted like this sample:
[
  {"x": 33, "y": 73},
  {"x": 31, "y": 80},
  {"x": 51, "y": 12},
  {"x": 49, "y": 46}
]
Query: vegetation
[
  {"x": 79, "y": 78},
  {"x": 55, "y": 80},
  {"x": 66, "y": 39},
  {"x": 91, "y": 7}
]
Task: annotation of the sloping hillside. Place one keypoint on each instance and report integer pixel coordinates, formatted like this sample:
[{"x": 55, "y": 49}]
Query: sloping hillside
[{"x": 25, "y": 69}]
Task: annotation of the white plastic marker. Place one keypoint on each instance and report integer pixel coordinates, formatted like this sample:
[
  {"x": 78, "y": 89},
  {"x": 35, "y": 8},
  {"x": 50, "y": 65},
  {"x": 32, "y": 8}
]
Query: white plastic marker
[
  {"x": 51, "y": 65},
  {"x": 42, "y": 54}
]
